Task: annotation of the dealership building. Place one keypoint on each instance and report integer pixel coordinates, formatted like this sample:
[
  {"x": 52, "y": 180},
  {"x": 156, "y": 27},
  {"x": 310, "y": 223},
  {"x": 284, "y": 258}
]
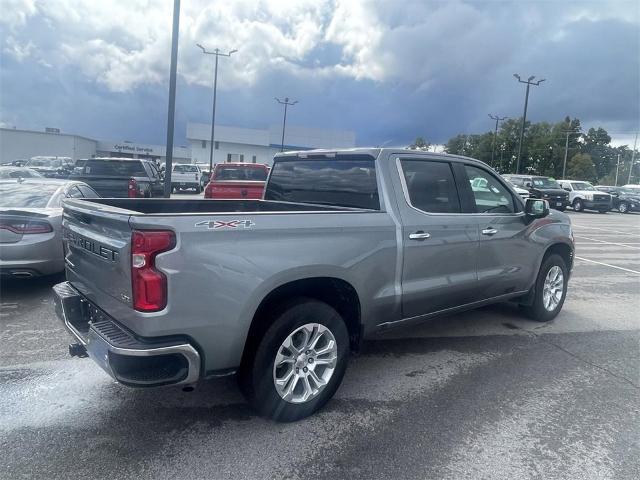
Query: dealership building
[{"x": 232, "y": 144}]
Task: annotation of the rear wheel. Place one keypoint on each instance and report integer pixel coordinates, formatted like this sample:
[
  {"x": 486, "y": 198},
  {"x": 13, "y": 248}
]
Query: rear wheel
[
  {"x": 550, "y": 290},
  {"x": 299, "y": 363},
  {"x": 577, "y": 205},
  {"x": 623, "y": 207}
]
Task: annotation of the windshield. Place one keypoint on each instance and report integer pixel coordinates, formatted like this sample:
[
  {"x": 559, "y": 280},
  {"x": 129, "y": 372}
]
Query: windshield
[
  {"x": 545, "y": 182},
  {"x": 241, "y": 173},
  {"x": 36, "y": 195},
  {"x": 582, "y": 186},
  {"x": 44, "y": 162}
]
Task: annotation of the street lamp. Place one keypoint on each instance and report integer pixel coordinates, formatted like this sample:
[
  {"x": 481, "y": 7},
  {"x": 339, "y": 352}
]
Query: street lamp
[
  {"x": 528, "y": 82},
  {"x": 286, "y": 103},
  {"x": 217, "y": 53},
  {"x": 566, "y": 149},
  {"x": 495, "y": 134}
]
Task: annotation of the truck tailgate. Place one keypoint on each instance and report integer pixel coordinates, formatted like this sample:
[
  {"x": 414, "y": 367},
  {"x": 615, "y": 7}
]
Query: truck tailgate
[
  {"x": 97, "y": 242},
  {"x": 236, "y": 189}
]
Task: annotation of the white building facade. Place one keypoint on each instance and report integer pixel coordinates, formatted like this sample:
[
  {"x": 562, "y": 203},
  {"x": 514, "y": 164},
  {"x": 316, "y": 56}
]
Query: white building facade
[{"x": 251, "y": 145}]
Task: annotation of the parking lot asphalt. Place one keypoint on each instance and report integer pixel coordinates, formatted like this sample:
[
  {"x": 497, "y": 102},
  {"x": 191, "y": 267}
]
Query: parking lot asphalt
[{"x": 484, "y": 394}]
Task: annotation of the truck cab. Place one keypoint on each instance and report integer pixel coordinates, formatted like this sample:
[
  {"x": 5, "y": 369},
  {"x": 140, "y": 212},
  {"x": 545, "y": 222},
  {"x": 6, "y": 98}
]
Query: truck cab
[{"x": 584, "y": 196}]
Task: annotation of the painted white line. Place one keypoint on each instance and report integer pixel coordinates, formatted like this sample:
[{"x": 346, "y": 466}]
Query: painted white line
[
  {"x": 575, "y": 225},
  {"x": 608, "y": 243},
  {"x": 607, "y": 265}
]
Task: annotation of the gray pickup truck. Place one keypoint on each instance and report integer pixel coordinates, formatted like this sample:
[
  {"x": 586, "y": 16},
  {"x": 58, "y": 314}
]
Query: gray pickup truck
[{"x": 344, "y": 244}]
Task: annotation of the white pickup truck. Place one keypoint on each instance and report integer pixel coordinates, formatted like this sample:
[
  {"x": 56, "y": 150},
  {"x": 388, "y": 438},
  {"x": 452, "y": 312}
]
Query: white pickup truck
[{"x": 186, "y": 176}]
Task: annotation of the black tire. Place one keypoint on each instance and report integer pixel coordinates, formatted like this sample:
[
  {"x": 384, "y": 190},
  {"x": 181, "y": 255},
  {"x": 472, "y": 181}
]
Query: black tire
[
  {"x": 256, "y": 373},
  {"x": 561, "y": 209},
  {"x": 198, "y": 189},
  {"x": 623, "y": 207},
  {"x": 577, "y": 205},
  {"x": 537, "y": 311}
]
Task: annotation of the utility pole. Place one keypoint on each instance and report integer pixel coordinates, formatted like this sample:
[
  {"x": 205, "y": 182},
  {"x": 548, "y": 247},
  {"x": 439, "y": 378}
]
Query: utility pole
[
  {"x": 617, "y": 168},
  {"x": 217, "y": 53},
  {"x": 497, "y": 118},
  {"x": 286, "y": 103},
  {"x": 172, "y": 98},
  {"x": 633, "y": 157},
  {"x": 528, "y": 82},
  {"x": 566, "y": 149}
]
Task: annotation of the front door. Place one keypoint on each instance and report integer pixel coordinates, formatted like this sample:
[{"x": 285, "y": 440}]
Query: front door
[{"x": 439, "y": 243}]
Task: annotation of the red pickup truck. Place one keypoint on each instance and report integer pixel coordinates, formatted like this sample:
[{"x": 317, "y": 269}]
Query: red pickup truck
[{"x": 237, "y": 181}]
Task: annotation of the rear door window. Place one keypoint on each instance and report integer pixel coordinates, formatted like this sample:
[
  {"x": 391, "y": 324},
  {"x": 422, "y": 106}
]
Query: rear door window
[
  {"x": 431, "y": 186},
  {"x": 347, "y": 181}
]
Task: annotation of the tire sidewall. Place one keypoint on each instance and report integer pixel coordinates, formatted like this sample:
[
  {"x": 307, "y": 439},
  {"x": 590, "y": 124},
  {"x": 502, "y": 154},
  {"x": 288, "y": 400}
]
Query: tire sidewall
[
  {"x": 538, "y": 311},
  {"x": 622, "y": 208},
  {"x": 263, "y": 395},
  {"x": 577, "y": 205}
]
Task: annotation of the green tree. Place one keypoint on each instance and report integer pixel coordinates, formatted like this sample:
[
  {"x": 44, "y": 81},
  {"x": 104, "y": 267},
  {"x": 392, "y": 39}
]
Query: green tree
[
  {"x": 420, "y": 144},
  {"x": 581, "y": 167}
]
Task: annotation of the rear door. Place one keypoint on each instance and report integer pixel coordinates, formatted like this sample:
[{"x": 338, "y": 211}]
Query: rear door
[
  {"x": 440, "y": 244},
  {"x": 505, "y": 256}
]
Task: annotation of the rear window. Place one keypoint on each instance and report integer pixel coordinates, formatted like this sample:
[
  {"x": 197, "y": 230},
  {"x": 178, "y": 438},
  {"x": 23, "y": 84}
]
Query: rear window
[
  {"x": 185, "y": 169},
  {"x": 114, "y": 167},
  {"x": 26, "y": 195},
  {"x": 241, "y": 173},
  {"x": 347, "y": 181}
]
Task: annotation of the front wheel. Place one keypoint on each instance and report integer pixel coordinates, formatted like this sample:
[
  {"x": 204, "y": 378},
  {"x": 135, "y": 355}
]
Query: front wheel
[
  {"x": 550, "y": 289},
  {"x": 577, "y": 205},
  {"x": 299, "y": 363},
  {"x": 623, "y": 207}
]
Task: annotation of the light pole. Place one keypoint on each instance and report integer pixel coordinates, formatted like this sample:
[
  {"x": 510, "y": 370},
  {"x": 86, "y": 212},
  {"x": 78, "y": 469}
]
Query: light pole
[
  {"x": 566, "y": 150},
  {"x": 172, "y": 98},
  {"x": 286, "y": 103},
  {"x": 528, "y": 82},
  {"x": 217, "y": 53},
  {"x": 497, "y": 118},
  {"x": 617, "y": 168},
  {"x": 633, "y": 157}
]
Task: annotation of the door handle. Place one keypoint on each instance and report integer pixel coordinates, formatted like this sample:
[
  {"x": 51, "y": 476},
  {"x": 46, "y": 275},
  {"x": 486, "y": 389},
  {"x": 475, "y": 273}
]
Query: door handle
[
  {"x": 419, "y": 235},
  {"x": 489, "y": 231}
]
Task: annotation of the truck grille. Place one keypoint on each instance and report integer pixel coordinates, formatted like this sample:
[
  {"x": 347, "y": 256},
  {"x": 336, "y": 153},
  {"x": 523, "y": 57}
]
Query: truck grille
[{"x": 600, "y": 198}]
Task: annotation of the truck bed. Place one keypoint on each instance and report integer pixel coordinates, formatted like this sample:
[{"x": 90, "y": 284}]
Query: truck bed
[{"x": 165, "y": 206}]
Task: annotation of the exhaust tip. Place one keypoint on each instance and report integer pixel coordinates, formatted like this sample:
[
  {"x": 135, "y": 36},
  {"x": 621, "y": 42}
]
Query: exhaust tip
[
  {"x": 21, "y": 274},
  {"x": 188, "y": 388}
]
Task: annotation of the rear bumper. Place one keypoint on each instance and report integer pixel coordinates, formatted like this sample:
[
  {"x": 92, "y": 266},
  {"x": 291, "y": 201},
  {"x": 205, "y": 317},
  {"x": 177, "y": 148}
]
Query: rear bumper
[
  {"x": 130, "y": 360},
  {"x": 39, "y": 254},
  {"x": 597, "y": 205}
]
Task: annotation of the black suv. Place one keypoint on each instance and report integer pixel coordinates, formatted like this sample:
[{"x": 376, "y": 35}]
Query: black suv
[
  {"x": 625, "y": 200},
  {"x": 120, "y": 177},
  {"x": 542, "y": 187}
]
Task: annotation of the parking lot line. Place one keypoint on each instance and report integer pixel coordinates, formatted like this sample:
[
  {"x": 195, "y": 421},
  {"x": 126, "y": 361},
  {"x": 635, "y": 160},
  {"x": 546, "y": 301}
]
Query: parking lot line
[
  {"x": 608, "y": 265},
  {"x": 608, "y": 243},
  {"x": 575, "y": 225}
]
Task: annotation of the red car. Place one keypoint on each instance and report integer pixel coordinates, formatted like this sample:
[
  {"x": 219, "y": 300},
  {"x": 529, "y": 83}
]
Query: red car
[{"x": 237, "y": 181}]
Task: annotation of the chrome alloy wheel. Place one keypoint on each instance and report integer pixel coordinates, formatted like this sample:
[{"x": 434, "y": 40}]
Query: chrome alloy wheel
[
  {"x": 305, "y": 363},
  {"x": 553, "y": 288}
]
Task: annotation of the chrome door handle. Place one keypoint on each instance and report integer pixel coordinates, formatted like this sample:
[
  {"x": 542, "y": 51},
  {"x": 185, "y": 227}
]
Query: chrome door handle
[
  {"x": 489, "y": 231},
  {"x": 419, "y": 235}
]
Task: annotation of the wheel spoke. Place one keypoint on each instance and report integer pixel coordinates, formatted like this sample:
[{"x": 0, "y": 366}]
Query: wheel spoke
[
  {"x": 308, "y": 391},
  {"x": 315, "y": 337},
  {"x": 330, "y": 346},
  {"x": 284, "y": 380},
  {"x": 330, "y": 361},
  {"x": 317, "y": 380},
  {"x": 288, "y": 392}
]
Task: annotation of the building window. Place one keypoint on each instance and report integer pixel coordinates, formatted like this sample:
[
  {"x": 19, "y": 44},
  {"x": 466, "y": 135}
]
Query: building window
[
  {"x": 253, "y": 159},
  {"x": 228, "y": 157},
  {"x": 241, "y": 158},
  {"x": 204, "y": 144},
  {"x": 217, "y": 144}
]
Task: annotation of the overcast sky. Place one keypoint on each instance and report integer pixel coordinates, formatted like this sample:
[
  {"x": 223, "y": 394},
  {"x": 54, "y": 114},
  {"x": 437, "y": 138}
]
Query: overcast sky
[{"x": 388, "y": 70}]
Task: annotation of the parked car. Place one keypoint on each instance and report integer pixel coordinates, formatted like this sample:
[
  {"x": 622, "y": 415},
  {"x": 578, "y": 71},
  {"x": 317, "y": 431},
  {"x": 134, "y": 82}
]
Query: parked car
[
  {"x": 344, "y": 244},
  {"x": 120, "y": 177},
  {"x": 237, "y": 181},
  {"x": 51, "y": 167},
  {"x": 15, "y": 163},
  {"x": 30, "y": 224},
  {"x": 583, "y": 195},
  {"x": 623, "y": 199},
  {"x": 186, "y": 176},
  {"x": 520, "y": 191},
  {"x": 18, "y": 172},
  {"x": 542, "y": 187}
]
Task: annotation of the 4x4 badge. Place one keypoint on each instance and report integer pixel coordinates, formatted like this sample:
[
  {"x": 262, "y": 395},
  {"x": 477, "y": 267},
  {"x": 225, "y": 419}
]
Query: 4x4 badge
[{"x": 217, "y": 224}]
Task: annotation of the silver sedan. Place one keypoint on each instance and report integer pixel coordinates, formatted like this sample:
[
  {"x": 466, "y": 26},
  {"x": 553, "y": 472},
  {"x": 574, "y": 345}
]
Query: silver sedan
[{"x": 31, "y": 224}]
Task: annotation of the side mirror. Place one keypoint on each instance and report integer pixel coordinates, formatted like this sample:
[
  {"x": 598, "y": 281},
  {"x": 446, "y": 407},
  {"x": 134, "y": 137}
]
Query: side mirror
[
  {"x": 536, "y": 208},
  {"x": 566, "y": 188}
]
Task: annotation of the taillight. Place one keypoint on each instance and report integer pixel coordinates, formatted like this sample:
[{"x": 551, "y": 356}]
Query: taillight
[
  {"x": 208, "y": 191},
  {"x": 149, "y": 285},
  {"x": 133, "y": 188},
  {"x": 25, "y": 227}
]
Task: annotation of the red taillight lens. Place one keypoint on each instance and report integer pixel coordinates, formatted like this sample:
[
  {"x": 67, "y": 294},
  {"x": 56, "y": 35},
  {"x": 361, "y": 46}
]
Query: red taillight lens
[
  {"x": 149, "y": 285},
  {"x": 208, "y": 191},
  {"x": 25, "y": 227},
  {"x": 133, "y": 188}
]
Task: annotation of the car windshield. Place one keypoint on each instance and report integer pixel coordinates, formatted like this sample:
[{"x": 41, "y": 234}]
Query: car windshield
[
  {"x": 185, "y": 169},
  {"x": 545, "y": 182},
  {"x": 44, "y": 162},
  {"x": 241, "y": 173},
  {"x": 36, "y": 195},
  {"x": 18, "y": 173},
  {"x": 582, "y": 186}
]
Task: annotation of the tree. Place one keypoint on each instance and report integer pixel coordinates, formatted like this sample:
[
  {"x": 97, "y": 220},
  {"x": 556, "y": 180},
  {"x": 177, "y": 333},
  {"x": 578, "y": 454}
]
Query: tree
[
  {"x": 581, "y": 167},
  {"x": 420, "y": 144}
]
